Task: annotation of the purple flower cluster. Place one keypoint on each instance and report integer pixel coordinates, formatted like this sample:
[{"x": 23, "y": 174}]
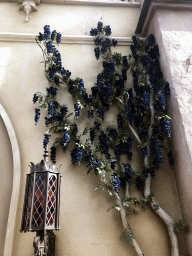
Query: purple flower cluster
[
  {"x": 107, "y": 30},
  {"x": 77, "y": 110},
  {"x": 101, "y": 112},
  {"x": 92, "y": 161},
  {"x": 81, "y": 86},
  {"x": 77, "y": 155},
  {"x": 92, "y": 134},
  {"x": 128, "y": 172},
  {"x": 53, "y": 154},
  {"x": 53, "y": 91},
  {"x": 37, "y": 115},
  {"x": 165, "y": 124},
  {"x": 35, "y": 98},
  {"x": 104, "y": 143},
  {"x": 116, "y": 183},
  {"x": 97, "y": 52},
  {"x": 145, "y": 151},
  {"x": 47, "y": 31},
  {"x": 112, "y": 133},
  {"x": 120, "y": 122},
  {"x": 66, "y": 138},
  {"x": 90, "y": 114},
  {"x": 46, "y": 139},
  {"x": 157, "y": 154}
]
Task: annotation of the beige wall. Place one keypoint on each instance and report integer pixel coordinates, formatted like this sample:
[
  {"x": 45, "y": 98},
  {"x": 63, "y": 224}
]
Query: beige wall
[{"x": 86, "y": 226}]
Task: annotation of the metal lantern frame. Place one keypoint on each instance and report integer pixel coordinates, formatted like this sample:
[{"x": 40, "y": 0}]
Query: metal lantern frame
[{"x": 42, "y": 204}]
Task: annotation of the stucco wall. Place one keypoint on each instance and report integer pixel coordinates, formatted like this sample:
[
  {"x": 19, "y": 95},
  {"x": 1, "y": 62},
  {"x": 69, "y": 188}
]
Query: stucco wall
[{"x": 86, "y": 226}]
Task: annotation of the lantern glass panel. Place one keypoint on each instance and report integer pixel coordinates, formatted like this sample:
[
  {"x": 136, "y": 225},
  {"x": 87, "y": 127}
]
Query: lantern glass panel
[
  {"x": 29, "y": 194},
  {"x": 51, "y": 201},
  {"x": 39, "y": 199}
]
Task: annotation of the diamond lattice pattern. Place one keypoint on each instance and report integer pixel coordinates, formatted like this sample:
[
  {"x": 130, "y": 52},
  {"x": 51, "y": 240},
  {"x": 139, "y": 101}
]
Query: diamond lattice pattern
[
  {"x": 39, "y": 200},
  {"x": 28, "y": 202},
  {"x": 51, "y": 202}
]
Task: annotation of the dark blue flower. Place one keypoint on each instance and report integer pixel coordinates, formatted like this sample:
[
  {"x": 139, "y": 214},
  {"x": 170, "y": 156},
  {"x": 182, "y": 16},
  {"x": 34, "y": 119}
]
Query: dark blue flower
[
  {"x": 47, "y": 31},
  {"x": 81, "y": 86},
  {"x": 104, "y": 143},
  {"x": 77, "y": 155},
  {"x": 94, "y": 92},
  {"x": 49, "y": 47},
  {"x": 120, "y": 122},
  {"x": 77, "y": 110},
  {"x": 101, "y": 112},
  {"x": 97, "y": 41},
  {"x": 100, "y": 26},
  {"x": 145, "y": 172},
  {"x": 40, "y": 37},
  {"x": 64, "y": 110},
  {"x": 136, "y": 84},
  {"x": 52, "y": 105},
  {"x": 35, "y": 98},
  {"x": 157, "y": 154},
  {"x": 151, "y": 39},
  {"x": 165, "y": 124},
  {"x": 53, "y": 91},
  {"x": 92, "y": 134},
  {"x": 145, "y": 151},
  {"x": 107, "y": 31},
  {"x": 113, "y": 163},
  {"x": 53, "y": 35},
  {"x": 97, "y": 125},
  {"x": 144, "y": 134},
  {"x": 118, "y": 151},
  {"x": 97, "y": 52},
  {"x": 125, "y": 62},
  {"x": 166, "y": 89},
  {"x": 53, "y": 154},
  {"x": 90, "y": 114},
  {"x": 104, "y": 47},
  {"x": 92, "y": 161},
  {"x": 161, "y": 103},
  {"x": 128, "y": 172},
  {"x": 170, "y": 159},
  {"x": 37, "y": 115},
  {"x": 51, "y": 74},
  {"x": 93, "y": 32},
  {"x": 112, "y": 133},
  {"x": 71, "y": 87},
  {"x": 139, "y": 182},
  {"x": 116, "y": 183},
  {"x": 134, "y": 38},
  {"x": 114, "y": 42},
  {"x": 58, "y": 38},
  {"x": 46, "y": 140},
  {"x": 66, "y": 138},
  {"x": 146, "y": 99}
]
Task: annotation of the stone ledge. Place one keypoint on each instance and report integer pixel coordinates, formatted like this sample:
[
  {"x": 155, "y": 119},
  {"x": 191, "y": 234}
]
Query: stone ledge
[
  {"x": 30, "y": 38},
  {"x": 150, "y": 6}
]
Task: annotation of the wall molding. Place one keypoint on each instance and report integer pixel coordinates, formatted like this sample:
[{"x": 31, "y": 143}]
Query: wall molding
[
  {"x": 66, "y": 39},
  {"x": 109, "y": 3},
  {"x": 16, "y": 183},
  {"x": 150, "y": 6}
]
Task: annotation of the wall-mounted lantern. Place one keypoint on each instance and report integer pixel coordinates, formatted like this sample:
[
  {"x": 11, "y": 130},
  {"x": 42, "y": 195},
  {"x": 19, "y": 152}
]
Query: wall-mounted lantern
[{"x": 41, "y": 205}]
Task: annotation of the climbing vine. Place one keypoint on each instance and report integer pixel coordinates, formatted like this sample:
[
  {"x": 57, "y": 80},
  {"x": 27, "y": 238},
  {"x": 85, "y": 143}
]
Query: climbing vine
[{"x": 142, "y": 117}]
